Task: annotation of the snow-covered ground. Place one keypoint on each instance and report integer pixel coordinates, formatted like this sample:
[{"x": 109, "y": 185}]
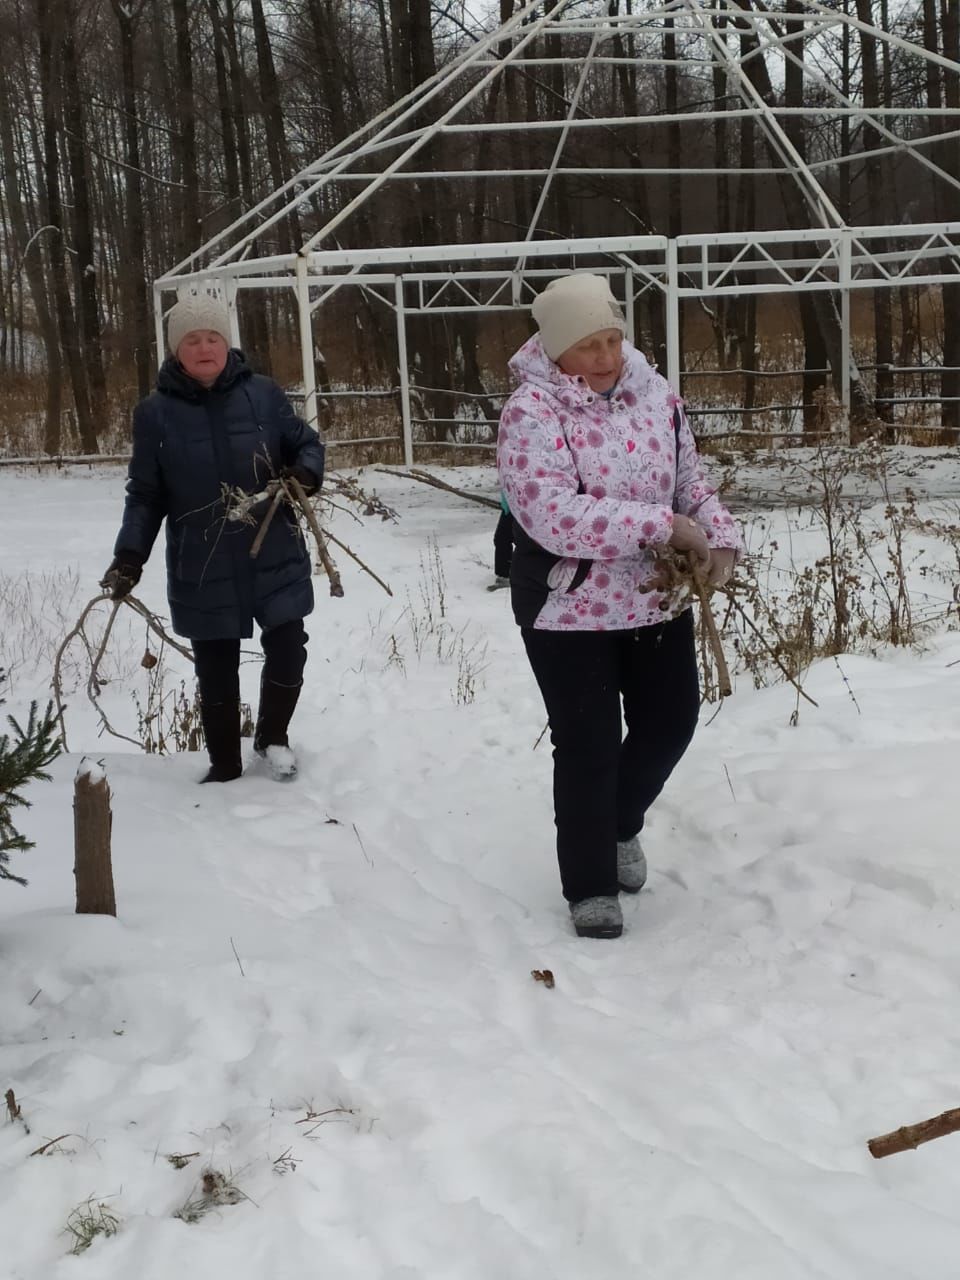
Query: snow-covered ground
[{"x": 323, "y": 991}]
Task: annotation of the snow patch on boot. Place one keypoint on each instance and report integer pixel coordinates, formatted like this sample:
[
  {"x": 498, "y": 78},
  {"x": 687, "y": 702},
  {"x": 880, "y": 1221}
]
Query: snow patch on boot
[
  {"x": 281, "y": 762},
  {"x": 599, "y": 917},
  {"x": 631, "y": 865}
]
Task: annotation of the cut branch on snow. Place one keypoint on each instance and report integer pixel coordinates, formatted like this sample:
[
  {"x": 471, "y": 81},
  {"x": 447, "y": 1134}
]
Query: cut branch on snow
[{"x": 911, "y": 1136}]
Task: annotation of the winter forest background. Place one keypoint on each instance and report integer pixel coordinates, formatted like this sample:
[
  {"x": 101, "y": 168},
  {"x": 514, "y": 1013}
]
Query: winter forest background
[{"x": 132, "y": 132}]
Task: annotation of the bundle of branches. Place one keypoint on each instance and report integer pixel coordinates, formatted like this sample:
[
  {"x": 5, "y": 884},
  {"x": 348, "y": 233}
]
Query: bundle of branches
[
  {"x": 681, "y": 578},
  {"x": 249, "y": 508}
]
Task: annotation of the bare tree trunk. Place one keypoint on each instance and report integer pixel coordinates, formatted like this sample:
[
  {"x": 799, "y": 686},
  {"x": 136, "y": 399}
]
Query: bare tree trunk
[
  {"x": 814, "y": 354},
  {"x": 746, "y": 305},
  {"x": 92, "y": 826},
  {"x": 877, "y": 195},
  {"x": 50, "y": 63},
  {"x": 225, "y": 105},
  {"x": 291, "y": 237},
  {"x": 185, "y": 143},
  {"x": 85, "y": 266},
  {"x": 32, "y": 262},
  {"x": 674, "y": 182},
  {"x": 798, "y": 215},
  {"x": 950, "y": 161},
  {"x": 722, "y": 197},
  {"x": 559, "y": 196},
  {"x": 253, "y": 313}
]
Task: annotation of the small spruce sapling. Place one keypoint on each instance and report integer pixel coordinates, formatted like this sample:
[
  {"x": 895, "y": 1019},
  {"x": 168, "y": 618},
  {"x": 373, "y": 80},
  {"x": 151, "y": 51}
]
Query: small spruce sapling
[{"x": 23, "y": 760}]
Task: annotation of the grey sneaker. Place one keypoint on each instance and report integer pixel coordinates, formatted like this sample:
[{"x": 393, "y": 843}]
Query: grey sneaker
[
  {"x": 597, "y": 918},
  {"x": 631, "y": 865}
]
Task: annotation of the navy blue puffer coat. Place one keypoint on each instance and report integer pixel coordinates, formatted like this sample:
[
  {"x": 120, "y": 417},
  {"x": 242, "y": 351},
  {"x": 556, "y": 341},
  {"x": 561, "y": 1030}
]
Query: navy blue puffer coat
[{"x": 187, "y": 443}]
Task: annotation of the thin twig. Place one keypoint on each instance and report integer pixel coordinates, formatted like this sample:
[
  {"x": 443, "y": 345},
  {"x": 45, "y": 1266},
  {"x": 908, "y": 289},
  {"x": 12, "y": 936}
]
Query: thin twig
[
  {"x": 730, "y": 784},
  {"x": 425, "y": 478},
  {"x": 30, "y": 1002},
  {"x": 540, "y": 738},
  {"x": 766, "y": 644},
  {"x": 843, "y": 677},
  {"x": 360, "y": 842},
  {"x": 57, "y": 680},
  {"x": 52, "y": 1143},
  {"x": 366, "y": 568},
  {"x": 153, "y": 622},
  {"x": 242, "y": 974}
]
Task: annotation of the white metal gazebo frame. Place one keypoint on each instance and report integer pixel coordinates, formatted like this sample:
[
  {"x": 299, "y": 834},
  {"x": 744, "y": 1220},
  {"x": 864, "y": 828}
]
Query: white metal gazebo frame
[{"x": 828, "y": 255}]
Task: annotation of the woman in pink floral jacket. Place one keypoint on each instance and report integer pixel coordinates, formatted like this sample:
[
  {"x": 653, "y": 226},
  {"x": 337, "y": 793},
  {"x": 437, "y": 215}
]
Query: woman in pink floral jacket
[{"x": 601, "y": 473}]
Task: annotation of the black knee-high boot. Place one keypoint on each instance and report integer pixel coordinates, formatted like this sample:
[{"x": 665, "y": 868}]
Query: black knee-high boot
[
  {"x": 221, "y": 728},
  {"x": 277, "y": 704}
]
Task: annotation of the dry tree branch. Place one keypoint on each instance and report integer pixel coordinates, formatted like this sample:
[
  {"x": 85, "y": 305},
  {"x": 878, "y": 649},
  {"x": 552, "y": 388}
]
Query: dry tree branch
[
  {"x": 425, "y": 478},
  {"x": 52, "y": 1142},
  {"x": 745, "y": 617},
  {"x": 278, "y": 497},
  {"x": 365, "y": 567},
  {"x": 908, "y": 1137},
  {"x": 713, "y": 636},
  {"x": 78, "y": 631},
  {"x": 153, "y": 622},
  {"x": 336, "y": 587}
]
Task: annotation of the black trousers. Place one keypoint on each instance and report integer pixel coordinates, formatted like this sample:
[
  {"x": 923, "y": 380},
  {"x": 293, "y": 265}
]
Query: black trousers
[
  {"x": 503, "y": 545},
  {"x": 217, "y": 662},
  {"x": 604, "y": 783}
]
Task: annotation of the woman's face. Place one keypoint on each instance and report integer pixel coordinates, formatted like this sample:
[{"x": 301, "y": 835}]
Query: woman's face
[
  {"x": 597, "y": 358},
  {"x": 203, "y": 354}
]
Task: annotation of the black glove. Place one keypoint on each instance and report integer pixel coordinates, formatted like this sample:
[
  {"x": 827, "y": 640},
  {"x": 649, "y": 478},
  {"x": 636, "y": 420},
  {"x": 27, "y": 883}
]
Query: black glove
[
  {"x": 123, "y": 574},
  {"x": 304, "y": 476}
]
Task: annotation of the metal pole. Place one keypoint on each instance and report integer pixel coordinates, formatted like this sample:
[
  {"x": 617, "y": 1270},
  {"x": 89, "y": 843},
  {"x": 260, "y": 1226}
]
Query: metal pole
[
  {"x": 231, "y": 296},
  {"x": 306, "y": 344},
  {"x": 673, "y": 316},
  {"x": 628, "y": 304},
  {"x": 158, "y": 323},
  {"x": 404, "y": 373},
  {"x": 845, "y": 363}
]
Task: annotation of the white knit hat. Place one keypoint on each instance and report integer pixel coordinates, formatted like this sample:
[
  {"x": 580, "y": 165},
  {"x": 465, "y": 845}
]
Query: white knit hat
[
  {"x": 572, "y": 308},
  {"x": 197, "y": 311}
]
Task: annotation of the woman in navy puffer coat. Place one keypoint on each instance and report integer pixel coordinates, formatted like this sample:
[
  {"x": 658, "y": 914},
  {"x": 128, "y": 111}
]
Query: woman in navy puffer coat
[{"x": 214, "y": 424}]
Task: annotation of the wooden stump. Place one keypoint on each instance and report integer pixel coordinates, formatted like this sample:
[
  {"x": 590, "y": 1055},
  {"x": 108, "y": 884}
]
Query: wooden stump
[{"x": 92, "y": 824}]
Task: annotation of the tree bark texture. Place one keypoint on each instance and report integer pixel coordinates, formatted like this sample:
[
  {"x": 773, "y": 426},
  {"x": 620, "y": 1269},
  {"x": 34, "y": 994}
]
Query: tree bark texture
[
  {"x": 92, "y": 826},
  {"x": 911, "y": 1136}
]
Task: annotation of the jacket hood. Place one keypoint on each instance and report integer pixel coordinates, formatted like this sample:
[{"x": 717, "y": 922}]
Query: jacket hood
[
  {"x": 173, "y": 379},
  {"x": 531, "y": 364}
]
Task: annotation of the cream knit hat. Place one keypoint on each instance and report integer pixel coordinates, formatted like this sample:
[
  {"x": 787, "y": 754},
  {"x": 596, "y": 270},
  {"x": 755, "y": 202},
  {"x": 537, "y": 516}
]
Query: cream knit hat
[
  {"x": 572, "y": 308},
  {"x": 198, "y": 311}
]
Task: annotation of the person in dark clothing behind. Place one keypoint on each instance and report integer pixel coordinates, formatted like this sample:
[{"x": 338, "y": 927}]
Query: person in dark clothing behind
[
  {"x": 213, "y": 425},
  {"x": 502, "y": 548}
]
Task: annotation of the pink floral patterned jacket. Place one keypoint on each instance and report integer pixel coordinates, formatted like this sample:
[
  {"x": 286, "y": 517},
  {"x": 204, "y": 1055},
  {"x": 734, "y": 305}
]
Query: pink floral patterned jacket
[{"x": 593, "y": 485}]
